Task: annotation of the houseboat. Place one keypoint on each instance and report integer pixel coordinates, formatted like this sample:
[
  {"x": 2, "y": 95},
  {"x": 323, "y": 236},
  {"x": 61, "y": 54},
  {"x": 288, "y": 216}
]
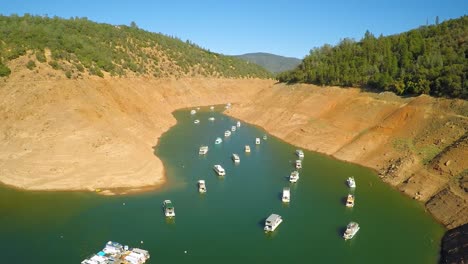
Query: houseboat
[
  {"x": 211, "y": 119},
  {"x": 233, "y": 128},
  {"x": 272, "y": 222},
  {"x": 203, "y": 150},
  {"x": 257, "y": 141},
  {"x": 351, "y": 229},
  {"x": 211, "y": 107},
  {"x": 219, "y": 170},
  {"x": 350, "y": 201},
  {"x": 193, "y": 112},
  {"x": 351, "y": 182},
  {"x": 286, "y": 195},
  {"x": 265, "y": 137},
  {"x": 235, "y": 158},
  {"x": 115, "y": 252},
  {"x": 218, "y": 140},
  {"x": 247, "y": 148},
  {"x": 238, "y": 124},
  {"x": 169, "y": 210},
  {"x": 300, "y": 153},
  {"x": 196, "y": 121},
  {"x": 201, "y": 186},
  {"x": 298, "y": 164},
  {"x": 294, "y": 177},
  {"x": 227, "y": 133}
]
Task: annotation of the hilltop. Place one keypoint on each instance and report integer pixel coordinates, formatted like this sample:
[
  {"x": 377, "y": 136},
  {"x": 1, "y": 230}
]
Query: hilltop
[
  {"x": 80, "y": 47},
  {"x": 271, "y": 62},
  {"x": 427, "y": 60}
]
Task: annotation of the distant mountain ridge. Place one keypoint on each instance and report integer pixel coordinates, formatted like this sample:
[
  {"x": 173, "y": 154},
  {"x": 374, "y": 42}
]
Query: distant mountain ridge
[{"x": 271, "y": 62}]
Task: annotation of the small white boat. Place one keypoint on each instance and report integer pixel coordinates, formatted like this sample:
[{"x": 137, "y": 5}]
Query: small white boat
[
  {"x": 351, "y": 182},
  {"x": 203, "y": 150},
  {"x": 238, "y": 124},
  {"x": 265, "y": 137},
  {"x": 294, "y": 177},
  {"x": 298, "y": 164},
  {"x": 227, "y": 133},
  {"x": 196, "y": 121},
  {"x": 169, "y": 210},
  {"x": 193, "y": 112},
  {"x": 351, "y": 229},
  {"x": 233, "y": 128},
  {"x": 286, "y": 195},
  {"x": 211, "y": 107},
  {"x": 235, "y": 158},
  {"x": 300, "y": 153},
  {"x": 218, "y": 140},
  {"x": 211, "y": 119},
  {"x": 350, "y": 201},
  {"x": 201, "y": 186},
  {"x": 272, "y": 222},
  {"x": 228, "y": 105},
  {"x": 247, "y": 148},
  {"x": 257, "y": 141},
  {"x": 219, "y": 170}
]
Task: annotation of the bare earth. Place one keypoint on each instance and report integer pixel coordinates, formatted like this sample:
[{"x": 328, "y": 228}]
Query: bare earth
[{"x": 99, "y": 133}]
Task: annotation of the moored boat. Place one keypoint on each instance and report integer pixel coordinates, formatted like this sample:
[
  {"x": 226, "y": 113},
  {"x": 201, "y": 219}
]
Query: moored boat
[
  {"x": 298, "y": 164},
  {"x": 238, "y": 124},
  {"x": 196, "y": 121},
  {"x": 300, "y": 153},
  {"x": 219, "y": 170},
  {"x": 350, "y": 201},
  {"x": 193, "y": 112},
  {"x": 233, "y": 128},
  {"x": 265, "y": 137},
  {"x": 169, "y": 210},
  {"x": 227, "y": 133},
  {"x": 351, "y": 182},
  {"x": 272, "y": 222},
  {"x": 286, "y": 195},
  {"x": 203, "y": 150},
  {"x": 211, "y": 107},
  {"x": 247, "y": 148},
  {"x": 115, "y": 252},
  {"x": 211, "y": 119},
  {"x": 294, "y": 177},
  {"x": 201, "y": 186},
  {"x": 218, "y": 140},
  {"x": 257, "y": 141},
  {"x": 235, "y": 158},
  {"x": 351, "y": 229}
]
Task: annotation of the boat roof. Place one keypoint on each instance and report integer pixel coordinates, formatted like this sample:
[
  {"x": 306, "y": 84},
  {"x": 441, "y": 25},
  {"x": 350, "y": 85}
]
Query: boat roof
[{"x": 273, "y": 217}]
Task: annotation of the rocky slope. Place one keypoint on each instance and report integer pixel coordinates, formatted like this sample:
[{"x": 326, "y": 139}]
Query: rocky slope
[{"x": 417, "y": 144}]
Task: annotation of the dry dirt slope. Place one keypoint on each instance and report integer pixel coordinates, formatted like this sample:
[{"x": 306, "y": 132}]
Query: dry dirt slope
[
  {"x": 95, "y": 133},
  {"x": 419, "y": 145}
]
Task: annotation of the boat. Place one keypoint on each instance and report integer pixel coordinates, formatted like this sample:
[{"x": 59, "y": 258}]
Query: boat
[
  {"x": 233, "y": 128},
  {"x": 219, "y": 170},
  {"x": 257, "y": 141},
  {"x": 196, "y": 121},
  {"x": 294, "y": 176},
  {"x": 211, "y": 119},
  {"x": 235, "y": 158},
  {"x": 286, "y": 195},
  {"x": 211, "y": 107},
  {"x": 193, "y": 112},
  {"x": 351, "y": 182},
  {"x": 115, "y": 252},
  {"x": 272, "y": 222},
  {"x": 169, "y": 210},
  {"x": 247, "y": 148},
  {"x": 298, "y": 164},
  {"x": 218, "y": 140},
  {"x": 203, "y": 150},
  {"x": 228, "y": 105},
  {"x": 350, "y": 201},
  {"x": 238, "y": 124},
  {"x": 265, "y": 137},
  {"x": 201, "y": 186},
  {"x": 300, "y": 153},
  {"x": 351, "y": 229},
  {"x": 227, "y": 133}
]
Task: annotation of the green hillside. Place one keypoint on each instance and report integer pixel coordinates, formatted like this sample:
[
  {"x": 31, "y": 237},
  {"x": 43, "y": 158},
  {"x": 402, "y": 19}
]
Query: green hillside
[
  {"x": 428, "y": 60},
  {"x": 273, "y": 63},
  {"x": 79, "y": 46}
]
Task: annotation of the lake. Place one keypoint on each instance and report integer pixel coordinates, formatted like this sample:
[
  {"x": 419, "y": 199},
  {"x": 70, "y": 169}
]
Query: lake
[{"x": 226, "y": 223}]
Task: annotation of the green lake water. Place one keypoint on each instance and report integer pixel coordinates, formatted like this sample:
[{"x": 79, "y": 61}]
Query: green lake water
[{"x": 225, "y": 225}]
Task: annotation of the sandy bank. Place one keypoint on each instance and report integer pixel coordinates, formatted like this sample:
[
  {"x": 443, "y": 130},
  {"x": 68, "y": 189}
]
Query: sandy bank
[
  {"x": 94, "y": 133},
  {"x": 419, "y": 144}
]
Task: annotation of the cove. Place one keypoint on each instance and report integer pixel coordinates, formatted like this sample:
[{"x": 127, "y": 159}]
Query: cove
[{"x": 225, "y": 224}]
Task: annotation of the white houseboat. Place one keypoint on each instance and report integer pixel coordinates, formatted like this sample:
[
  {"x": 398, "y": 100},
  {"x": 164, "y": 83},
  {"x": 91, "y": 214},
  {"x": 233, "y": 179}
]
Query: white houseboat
[
  {"x": 193, "y": 112},
  {"x": 272, "y": 222},
  {"x": 351, "y": 182},
  {"x": 286, "y": 195},
  {"x": 238, "y": 124},
  {"x": 169, "y": 210},
  {"x": 350, "y": 201},
  {"x": 247, "y": 148},
  {"x": 351, "y": 229},
  {"x": 233, "y": 128},
  {"x": 300, "y": 153},
  {"x": 298, "y": 164},
  {"x": 227, "y": 133},
  {"x": 218, "y": 140},
  {"x": 201, "y": 186},
  {"x": 203, "y": 150},
  {"x": 294, "y": 177},
  {"x": 235, "y": 158},
  {"x": 196, "y": 121},
  {"x": 219, "y": 170},
  {"x": 211, "y": 119},
  {"x": 257, "y": 141}
]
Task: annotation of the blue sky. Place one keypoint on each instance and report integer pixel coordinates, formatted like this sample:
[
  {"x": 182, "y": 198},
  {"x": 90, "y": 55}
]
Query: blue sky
[{"x": 288, "y": 28}]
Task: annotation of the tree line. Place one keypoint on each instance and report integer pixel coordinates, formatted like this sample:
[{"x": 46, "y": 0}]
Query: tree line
[{"x": 431, "y": 60}]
